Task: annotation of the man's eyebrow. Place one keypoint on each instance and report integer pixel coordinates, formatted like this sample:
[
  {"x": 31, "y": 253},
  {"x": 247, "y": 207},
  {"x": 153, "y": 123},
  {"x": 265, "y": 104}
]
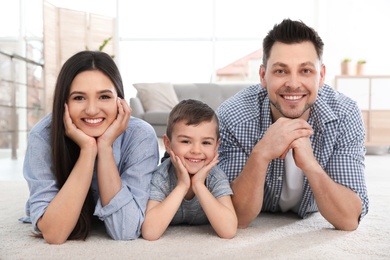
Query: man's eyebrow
[
  {"x": 279, "y": 64},
  {"x": 308, "y": 63}
]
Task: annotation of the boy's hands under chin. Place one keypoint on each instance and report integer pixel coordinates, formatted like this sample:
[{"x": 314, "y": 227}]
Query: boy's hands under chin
[
  {"x": 118, "y": 126},
  {"x": 200, "y": 177},
  {"x": 79, "y": 137},
  {"x": 183, "y": 177}
]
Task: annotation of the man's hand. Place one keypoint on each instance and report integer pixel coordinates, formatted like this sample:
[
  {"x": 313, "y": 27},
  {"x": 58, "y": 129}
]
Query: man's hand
[
  {"x": 303, "y": 154},
  {"x": 279, "y": 137}
]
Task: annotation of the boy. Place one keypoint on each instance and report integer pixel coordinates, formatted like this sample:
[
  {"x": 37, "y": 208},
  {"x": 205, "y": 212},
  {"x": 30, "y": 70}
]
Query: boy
[{"x": 189, "y": 187}]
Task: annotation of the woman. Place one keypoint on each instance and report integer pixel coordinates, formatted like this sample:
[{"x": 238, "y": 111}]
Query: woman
[{"x": 88, "y": 158}]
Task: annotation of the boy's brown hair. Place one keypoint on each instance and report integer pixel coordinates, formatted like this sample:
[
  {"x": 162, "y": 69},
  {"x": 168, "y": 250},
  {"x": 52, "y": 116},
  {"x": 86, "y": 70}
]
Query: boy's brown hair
[{"x": 193, "y": 112}]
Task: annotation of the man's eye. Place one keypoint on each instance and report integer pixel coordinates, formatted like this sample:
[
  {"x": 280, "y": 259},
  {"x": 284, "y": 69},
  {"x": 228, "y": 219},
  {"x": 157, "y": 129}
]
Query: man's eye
[
  {"x": 279, "y": 71},
  {"x": 306, "y": 71}
]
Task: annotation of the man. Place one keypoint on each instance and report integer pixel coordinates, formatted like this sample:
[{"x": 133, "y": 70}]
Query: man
[{"x": 292, "y": 143}]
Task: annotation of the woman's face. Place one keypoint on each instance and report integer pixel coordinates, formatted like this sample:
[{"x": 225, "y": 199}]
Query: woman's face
[{"x": 92, "y": 102}]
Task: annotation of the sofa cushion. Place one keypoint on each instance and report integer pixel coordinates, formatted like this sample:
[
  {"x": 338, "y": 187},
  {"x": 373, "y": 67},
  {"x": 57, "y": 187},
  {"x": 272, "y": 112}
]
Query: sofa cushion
[
  {"x": 157, "y": 118},
  {"x": 210, "y": 93},
  {"x": 156, "y": 96}
]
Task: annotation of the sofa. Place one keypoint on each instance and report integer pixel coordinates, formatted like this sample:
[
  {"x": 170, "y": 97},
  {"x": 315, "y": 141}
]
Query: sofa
[{"x": 154, "y": 101}]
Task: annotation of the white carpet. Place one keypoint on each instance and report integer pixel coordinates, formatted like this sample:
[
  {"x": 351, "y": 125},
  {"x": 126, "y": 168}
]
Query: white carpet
[{"x": 271, "y": 236}]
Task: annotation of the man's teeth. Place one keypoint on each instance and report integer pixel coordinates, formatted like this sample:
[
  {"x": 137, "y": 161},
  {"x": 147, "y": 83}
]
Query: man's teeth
[
  {"x": 292, "y": 97},
  {"x": 93, "y": 121}
]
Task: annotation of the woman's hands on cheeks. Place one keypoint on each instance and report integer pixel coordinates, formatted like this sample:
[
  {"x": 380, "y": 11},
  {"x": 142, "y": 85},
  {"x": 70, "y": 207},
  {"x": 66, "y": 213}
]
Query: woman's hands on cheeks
[
  {"x": 118, "y": 126},
  {"x": 79, "y": 137}
]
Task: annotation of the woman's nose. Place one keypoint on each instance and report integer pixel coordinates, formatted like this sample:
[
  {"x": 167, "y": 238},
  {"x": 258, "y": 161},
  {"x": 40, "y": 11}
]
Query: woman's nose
[{"x": 91, "y": 108}]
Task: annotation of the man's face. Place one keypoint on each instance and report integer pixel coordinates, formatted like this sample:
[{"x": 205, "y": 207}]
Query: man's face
[{"x": 292, "y": 79}]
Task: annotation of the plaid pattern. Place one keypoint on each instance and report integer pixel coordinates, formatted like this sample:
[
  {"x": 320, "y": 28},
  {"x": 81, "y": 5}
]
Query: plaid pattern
[{"x": 337, "y": 142}]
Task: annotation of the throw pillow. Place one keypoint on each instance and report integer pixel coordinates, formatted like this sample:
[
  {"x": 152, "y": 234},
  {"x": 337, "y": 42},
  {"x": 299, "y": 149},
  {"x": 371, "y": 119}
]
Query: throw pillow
[{"x": 156, "y": 96}]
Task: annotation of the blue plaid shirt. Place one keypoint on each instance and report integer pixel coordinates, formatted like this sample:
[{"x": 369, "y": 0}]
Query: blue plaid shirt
[{"x": 337, "y": 142}]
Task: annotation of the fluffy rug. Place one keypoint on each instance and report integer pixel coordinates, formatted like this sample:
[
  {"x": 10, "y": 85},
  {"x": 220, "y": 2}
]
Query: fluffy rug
[{"x": 270, "y": 236}]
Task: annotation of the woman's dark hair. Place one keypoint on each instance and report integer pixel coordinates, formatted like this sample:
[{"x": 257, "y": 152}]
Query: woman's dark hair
[
  {"x": 64, "y": 151},
  {"x": 193, "y": 112},
  {"x": 288, "y": 32}
]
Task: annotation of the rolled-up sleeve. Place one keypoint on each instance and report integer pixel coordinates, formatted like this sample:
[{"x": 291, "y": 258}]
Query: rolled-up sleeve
[
  {"x": 137, "y": 153},
  {"x": 38, "y": 172}
]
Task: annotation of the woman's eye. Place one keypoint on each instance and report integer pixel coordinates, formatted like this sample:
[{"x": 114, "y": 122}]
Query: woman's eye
[
  {"x": 105, "y": 97},
  {"x": 78, "y": 98}
]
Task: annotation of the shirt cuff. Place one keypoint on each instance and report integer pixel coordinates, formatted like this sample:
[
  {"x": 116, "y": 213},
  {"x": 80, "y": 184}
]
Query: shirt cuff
[{"x": 122, "y": 198}]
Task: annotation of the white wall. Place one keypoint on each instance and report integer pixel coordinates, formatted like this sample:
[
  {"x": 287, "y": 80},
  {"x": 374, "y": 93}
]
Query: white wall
[
  {"x": 349, "y": 28},
  {"x": 357, "y": 29}
]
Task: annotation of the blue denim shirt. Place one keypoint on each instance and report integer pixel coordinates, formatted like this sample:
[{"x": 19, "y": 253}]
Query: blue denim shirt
[{"x": 136, "y": 155}]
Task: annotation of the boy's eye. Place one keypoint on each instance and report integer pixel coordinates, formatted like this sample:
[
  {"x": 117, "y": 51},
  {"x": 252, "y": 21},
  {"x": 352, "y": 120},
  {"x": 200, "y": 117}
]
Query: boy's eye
[
  {"x": 206, "y": 143},
  {"x": 185, "y": 141}
]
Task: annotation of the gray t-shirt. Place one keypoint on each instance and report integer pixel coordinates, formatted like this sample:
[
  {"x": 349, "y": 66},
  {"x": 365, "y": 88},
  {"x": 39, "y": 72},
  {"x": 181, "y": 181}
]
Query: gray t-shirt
[{"x": 164, "y": 180}]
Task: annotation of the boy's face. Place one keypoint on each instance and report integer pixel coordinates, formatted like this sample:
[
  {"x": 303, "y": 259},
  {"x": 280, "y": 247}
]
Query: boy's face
[{"x": 195, "y": 145}]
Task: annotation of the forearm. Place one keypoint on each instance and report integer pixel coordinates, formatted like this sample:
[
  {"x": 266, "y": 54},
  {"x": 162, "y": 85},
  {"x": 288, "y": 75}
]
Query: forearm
[
  {"x": 220, "y": 212},
  {"x": 248, "y": 190},
  {"x": 109, "y": 180},
  {"x": 63, "y": 212},
  {"x": 337, "y": 204},
  {"x": 158, "y": 217}
]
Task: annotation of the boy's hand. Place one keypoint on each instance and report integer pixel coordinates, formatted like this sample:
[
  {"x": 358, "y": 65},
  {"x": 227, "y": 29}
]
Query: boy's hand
[
  {"x": 200, "y": 177},
  {"x": 183, "y": 177}
]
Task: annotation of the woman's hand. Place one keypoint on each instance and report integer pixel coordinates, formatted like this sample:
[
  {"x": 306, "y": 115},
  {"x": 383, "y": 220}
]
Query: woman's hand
[
  {"x": 118, "y": 126},
  {"x": 79, "y": 137}
]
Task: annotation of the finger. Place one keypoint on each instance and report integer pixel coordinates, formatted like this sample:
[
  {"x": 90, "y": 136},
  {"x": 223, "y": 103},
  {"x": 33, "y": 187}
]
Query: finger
[
  {"x": 67, "y": 120},
  {"x": 119, "y": 106},
  {"x": 125, "y": 106},
  {"x": 284, "y": 154}
]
